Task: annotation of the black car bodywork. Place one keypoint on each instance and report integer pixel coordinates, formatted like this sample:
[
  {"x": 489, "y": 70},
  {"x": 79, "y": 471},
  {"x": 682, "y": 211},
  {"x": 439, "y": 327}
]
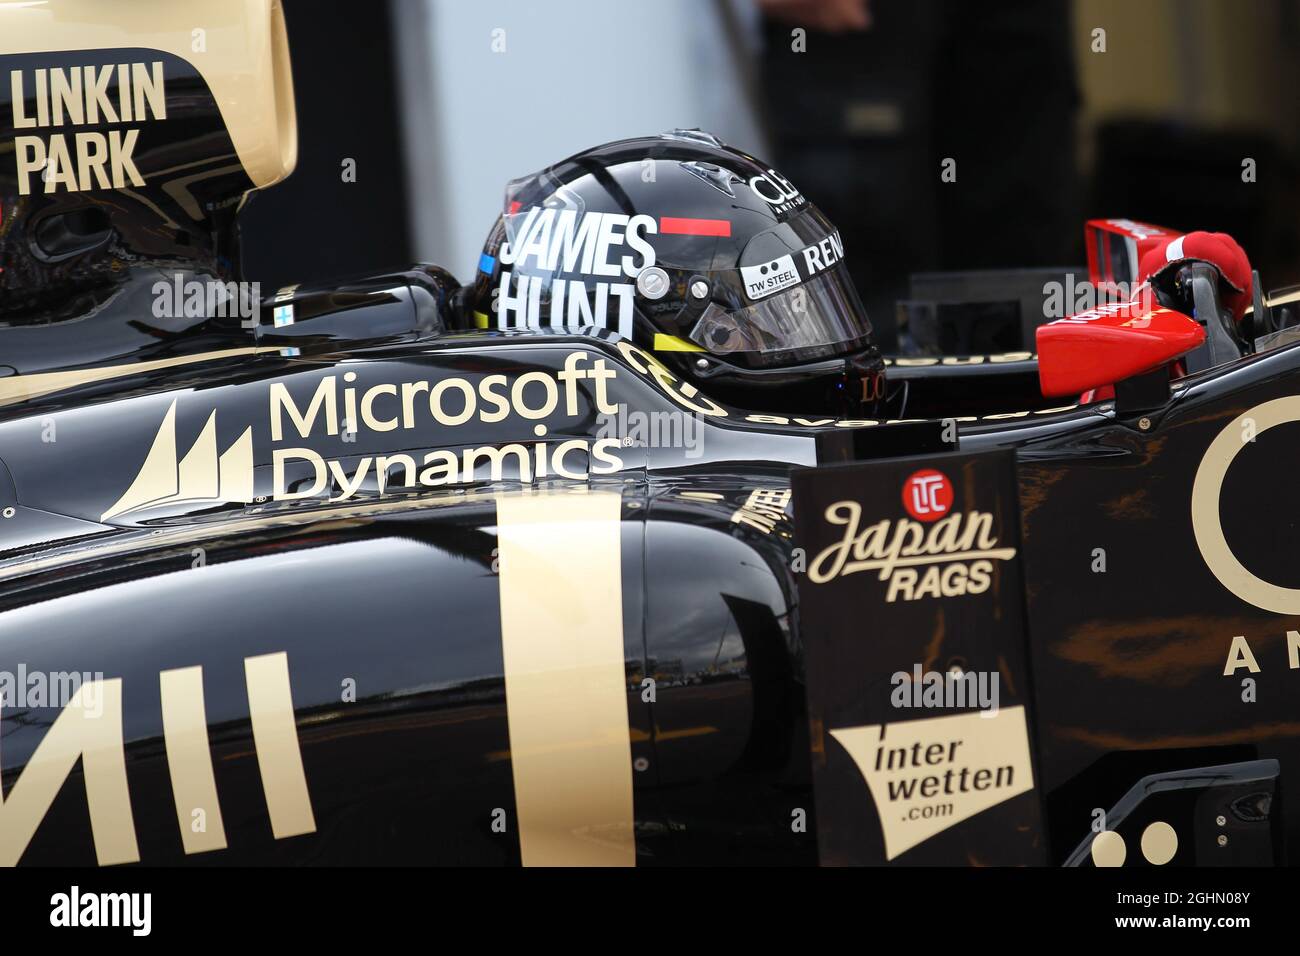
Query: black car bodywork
[
  {"x": 385, "y": 608},
  {"x": 333, "y": 583}
]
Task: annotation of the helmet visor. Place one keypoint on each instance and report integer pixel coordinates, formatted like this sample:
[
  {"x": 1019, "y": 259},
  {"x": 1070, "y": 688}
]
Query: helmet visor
[{"x": 817, "y": 319}]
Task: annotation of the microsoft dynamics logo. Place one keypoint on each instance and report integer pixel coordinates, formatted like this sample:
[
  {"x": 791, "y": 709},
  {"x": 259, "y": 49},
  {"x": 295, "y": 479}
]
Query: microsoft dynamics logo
[{"x": 201, "y": 476}]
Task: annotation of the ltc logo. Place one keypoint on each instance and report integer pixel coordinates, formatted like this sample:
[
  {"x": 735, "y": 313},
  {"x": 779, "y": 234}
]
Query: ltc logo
[
  {"x": 927, "y": 495},
  {"x": 201, "y": 476}
]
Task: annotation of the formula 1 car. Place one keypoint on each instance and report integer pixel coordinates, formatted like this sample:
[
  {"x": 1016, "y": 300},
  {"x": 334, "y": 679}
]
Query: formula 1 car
[{"x": 324, "y": 581}]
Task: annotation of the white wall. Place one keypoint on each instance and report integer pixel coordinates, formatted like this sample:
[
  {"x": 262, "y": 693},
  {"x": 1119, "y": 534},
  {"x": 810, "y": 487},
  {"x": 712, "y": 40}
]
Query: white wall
[{"x": 574, "y": 73}]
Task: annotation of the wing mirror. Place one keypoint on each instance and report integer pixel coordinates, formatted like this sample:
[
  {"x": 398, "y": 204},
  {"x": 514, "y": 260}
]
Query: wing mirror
[{"x": 1110, "y": 343}]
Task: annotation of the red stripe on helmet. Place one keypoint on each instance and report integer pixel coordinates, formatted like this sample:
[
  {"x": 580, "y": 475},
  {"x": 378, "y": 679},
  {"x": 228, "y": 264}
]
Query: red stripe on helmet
[{"x": 694, "y": 227}]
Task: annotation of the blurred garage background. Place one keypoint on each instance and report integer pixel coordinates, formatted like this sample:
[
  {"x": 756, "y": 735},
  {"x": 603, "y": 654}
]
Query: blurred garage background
[{"x": 1180, "y": 112}]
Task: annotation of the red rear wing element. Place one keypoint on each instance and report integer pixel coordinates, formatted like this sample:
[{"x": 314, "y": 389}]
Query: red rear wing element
[
  {"x": 1116, "y": 247},
  {"x": 1109, "y": 344}
]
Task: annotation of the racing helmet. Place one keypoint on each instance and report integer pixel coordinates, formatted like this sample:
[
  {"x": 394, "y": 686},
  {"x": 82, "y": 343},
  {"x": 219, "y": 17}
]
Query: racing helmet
[{"x": 702, "y": 255}]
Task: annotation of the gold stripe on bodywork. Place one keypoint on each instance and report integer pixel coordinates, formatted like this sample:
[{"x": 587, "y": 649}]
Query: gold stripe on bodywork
[
  {"x": 21, "y": 388},
  {"x": 189, "y": 759},
  {"x": 566, "y": 693},
  {"x": 326, "y": 518},
  {"x": 89, "y": 730},
  {"x": 275, "y": 737}
]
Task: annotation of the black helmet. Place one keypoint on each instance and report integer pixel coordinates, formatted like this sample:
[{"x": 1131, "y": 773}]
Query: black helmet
[{"x": 699, "y": 253}]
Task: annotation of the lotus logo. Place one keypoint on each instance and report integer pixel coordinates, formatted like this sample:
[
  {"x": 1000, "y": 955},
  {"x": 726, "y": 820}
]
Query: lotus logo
[
  {"x": 1207, "y": 488},
  {"x": 201, "y": 476}
]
